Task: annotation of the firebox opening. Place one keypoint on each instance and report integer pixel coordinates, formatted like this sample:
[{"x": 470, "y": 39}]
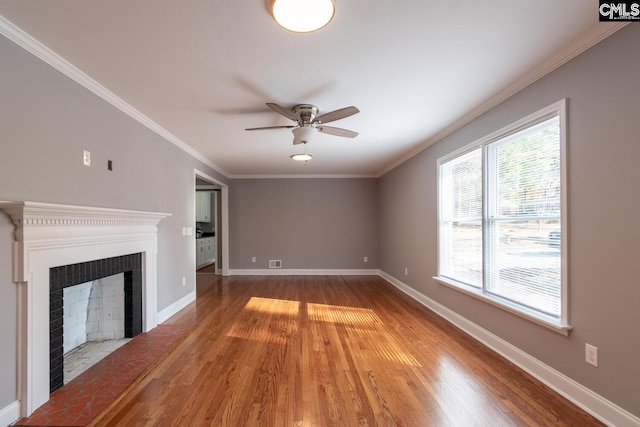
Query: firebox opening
[
  {"x": 93, "y": 323},
  {"x": 119, "y": 308}
]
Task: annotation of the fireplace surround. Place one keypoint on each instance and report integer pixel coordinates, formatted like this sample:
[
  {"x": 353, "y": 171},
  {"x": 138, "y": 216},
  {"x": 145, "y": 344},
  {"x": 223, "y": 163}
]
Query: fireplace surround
[
  {"x": 75, "y": 274},
  {"x": 48, "y": 236}
]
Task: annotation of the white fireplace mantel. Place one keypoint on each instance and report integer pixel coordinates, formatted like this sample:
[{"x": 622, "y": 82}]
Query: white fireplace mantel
[{"x": 51, "y": 235}]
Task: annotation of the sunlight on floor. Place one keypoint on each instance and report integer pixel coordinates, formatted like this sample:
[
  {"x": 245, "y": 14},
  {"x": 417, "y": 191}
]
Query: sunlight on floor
[
  {"x": 273, "y": 306},
  {"x": 457, "y": 385},
  {"x": 343, "y": 315},
  {"x": 275, "y": 321}
]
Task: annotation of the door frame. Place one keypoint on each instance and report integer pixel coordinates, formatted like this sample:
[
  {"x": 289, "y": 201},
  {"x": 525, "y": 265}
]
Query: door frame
[{"x": 223, "y": 251}]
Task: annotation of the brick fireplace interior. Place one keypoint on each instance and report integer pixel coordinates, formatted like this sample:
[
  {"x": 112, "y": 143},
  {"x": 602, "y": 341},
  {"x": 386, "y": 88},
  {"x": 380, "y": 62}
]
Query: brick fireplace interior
[{"x": 130, "y": 269}]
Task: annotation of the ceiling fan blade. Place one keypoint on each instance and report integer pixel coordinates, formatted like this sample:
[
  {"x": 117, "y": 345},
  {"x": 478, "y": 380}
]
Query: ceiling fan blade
[
  {"x": 337, "y": 131},
  {"x": 284, "y": 111},
  {"x": 272, "y": 127},
  {"x": 336, "y": 115}
]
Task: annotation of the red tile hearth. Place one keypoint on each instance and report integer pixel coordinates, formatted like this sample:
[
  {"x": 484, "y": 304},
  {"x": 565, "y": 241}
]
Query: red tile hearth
[{"x": 82, "y": 399}]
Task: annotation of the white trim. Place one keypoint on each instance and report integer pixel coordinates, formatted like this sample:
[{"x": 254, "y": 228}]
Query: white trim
[
  {"x": 221, "y": 267},
  {"x": 164, "y": 314},
  {"x": 303, "y": 272},
  {"x": 564, "y": 212},
  {"x": 39, "y": 50},
  {"x": 601, "y": 408},
  {"x": 50, "y": 235},
  {"x": 10, "y": 413},
  {"x": 265, "y": 176},
  {"x": 558, "y": 109},
  {"x": 33, "y": 46},
  {"x": 561, "y": 328},
  {"x": 593, "y": 37}
]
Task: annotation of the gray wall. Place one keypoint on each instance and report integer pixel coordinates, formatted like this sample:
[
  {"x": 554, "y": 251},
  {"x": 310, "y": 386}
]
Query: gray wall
[
  {"x": 604, "y": 238},
  {"x": 307, "y": 223},
  {"x": 46, "y": 120}
]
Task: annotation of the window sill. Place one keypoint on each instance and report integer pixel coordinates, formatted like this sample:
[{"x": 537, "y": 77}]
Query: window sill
[{"x": 547, "y": 322}]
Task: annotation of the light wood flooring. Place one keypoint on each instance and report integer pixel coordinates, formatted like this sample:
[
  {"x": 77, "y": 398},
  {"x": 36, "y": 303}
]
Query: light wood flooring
[{"x": 330, "y": 351}]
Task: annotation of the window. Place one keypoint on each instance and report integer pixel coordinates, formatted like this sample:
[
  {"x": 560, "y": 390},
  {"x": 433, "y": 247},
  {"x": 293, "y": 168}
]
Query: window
[{"x": 501, "y": 215}]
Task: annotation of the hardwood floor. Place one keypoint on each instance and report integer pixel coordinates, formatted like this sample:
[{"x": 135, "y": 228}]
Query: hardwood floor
[{"x": 330, "y": 351}]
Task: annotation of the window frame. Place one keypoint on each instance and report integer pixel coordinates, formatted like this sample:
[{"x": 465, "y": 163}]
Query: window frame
[{"x": 561, "y": 324}]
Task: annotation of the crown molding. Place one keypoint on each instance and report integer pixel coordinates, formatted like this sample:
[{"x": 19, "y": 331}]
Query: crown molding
[
  {"x": 36, "y": 48},
  {"x": 561, "y": 57},
  {"x": 302, "y": 272},
  {"x": 42, "y": 52},
  {"x": 296, "y": 176}
]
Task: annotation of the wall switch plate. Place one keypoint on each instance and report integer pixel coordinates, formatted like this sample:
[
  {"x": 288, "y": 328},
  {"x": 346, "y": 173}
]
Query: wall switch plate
[
  {"x": 591, "y": 354},
  {"x": 184, "y": 231},
  {"x": 86, "y": 157},
  {"x": 366, "y": 259},
  {"x": 189, "y": 231},
  {"x": 253, "y": 259}
]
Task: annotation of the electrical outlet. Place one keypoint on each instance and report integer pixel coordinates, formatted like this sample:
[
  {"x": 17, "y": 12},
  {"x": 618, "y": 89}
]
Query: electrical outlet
[
  {"x": 184, "y": 281},
  {"x": 591, "y": 354},
  {"x": 86, "y": 157},
  {"x": 253, "y": 259},
  {"x": 366, "y": 259},
  {"x": 406, "y": 271}
]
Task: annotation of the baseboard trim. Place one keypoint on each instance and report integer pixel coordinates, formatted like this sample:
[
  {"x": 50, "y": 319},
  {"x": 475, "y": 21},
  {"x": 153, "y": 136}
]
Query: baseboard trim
[
  {"x": 303, "y": 272},
  {"x": 164, "y": 314},
  {"x": 10, "y": 413},
  {"x": 601, "y": 408}
]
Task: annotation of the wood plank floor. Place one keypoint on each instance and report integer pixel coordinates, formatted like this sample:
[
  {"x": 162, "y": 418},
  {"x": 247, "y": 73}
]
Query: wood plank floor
[{"x": 330, "y": 351}]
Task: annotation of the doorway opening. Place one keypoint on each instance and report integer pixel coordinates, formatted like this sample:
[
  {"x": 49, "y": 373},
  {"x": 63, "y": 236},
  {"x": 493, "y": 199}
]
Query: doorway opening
[{"x": 211, "y": 225}]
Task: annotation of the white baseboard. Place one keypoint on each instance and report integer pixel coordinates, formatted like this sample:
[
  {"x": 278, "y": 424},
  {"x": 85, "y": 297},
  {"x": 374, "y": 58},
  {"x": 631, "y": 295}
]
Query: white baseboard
[
  {"x": 167, "y": 312},
  {"x": 10, "y": 413},
  {"x": 606, "y": 411},
  {"x": 302, "y": 272}
]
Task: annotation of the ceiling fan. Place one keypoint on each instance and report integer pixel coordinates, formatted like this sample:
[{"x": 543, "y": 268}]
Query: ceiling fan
[{"x": 309, "y": 122}]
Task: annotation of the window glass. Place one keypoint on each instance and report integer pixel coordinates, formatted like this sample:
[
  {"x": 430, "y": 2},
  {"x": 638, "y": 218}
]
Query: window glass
[{"x": 501, "y": 215}]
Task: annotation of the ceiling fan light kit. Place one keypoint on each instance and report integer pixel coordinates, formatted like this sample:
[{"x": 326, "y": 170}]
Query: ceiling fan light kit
[
  {"x": 301, "y": 157},
  {"x": 303, "y": 134},
  {"x": 303, "y": 16},
  {"x": 309, "y": 123}
]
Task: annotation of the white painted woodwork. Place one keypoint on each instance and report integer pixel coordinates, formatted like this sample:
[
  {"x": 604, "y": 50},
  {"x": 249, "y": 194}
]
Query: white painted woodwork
[{"x": 51, "y": 235}]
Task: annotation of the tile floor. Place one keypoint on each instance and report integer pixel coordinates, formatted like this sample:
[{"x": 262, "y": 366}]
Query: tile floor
[
  {"x": 82, "y": 399},
  {"x": 88, "y": 354}
]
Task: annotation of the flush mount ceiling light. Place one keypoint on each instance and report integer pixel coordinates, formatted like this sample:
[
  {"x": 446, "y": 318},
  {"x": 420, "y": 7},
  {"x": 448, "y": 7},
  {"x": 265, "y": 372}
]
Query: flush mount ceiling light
[{"x": 303, "y": 16}]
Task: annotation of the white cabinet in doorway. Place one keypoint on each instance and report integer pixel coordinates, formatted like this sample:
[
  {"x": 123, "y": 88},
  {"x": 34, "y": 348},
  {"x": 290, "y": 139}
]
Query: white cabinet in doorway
[
  {"x": 203, "y": 206},
  {"x": 205, "y": 251}
]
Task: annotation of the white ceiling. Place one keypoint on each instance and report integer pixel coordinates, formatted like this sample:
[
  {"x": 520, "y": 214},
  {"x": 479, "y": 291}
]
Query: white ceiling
[{"x": 203, "y": 69}]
